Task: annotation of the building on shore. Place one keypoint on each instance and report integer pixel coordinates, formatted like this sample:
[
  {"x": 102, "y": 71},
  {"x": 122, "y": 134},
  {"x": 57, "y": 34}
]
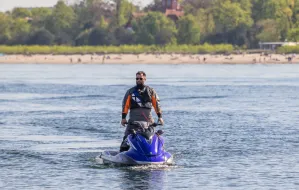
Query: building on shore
[{"x": 172, "y": 9}]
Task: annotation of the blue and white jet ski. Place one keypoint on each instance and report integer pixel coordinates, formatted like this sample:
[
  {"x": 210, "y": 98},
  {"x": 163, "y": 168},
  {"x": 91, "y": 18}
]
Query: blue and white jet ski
[{"x": 146, "y": 147}]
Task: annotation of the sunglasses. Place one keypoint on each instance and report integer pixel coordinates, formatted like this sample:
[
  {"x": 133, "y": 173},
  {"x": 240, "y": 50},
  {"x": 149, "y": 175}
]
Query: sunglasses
[{"x": 139, "y": 78}]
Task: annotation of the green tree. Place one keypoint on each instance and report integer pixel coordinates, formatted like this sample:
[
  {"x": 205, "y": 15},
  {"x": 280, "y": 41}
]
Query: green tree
[
  {"x": 89, "y": 12},
  {"x": 269, "y": 31},
  {"x": 270, "y": 9},
  {"x": 83, "y": 38},
  {"x": 40, "y": 16},
  {"x": 101, "y": 36},
  {"x": 149, "y": 26},
  {"x": 188, "y": 30},
  {"x": 295, "y": 16},
  {"x": 124, "y": 10},
  {"x": 103, "y": 23},
  {"x": 62, "y": 19},
  {"x": 124, "y": 36},
  {"x": 229, "y": 16},
  {"x": 41, "y": 37},
  {"x": 120, "y": 12},
  {"x": 40, "y": 13},
  {"x": 192, "y": 6},
  {"x": 165, "y": 36},
  {"x": 293, "y": 35},
  {"x": 5, "y": 34},
  {"x": 279, "y": 10},
  {"x": 245, "y": 5},
  {"x": 61, "y": 23},
  {"x": 205, "y": 19},
  {"x": 21, "y": 13},
  {"x": 20, "y": 30}
]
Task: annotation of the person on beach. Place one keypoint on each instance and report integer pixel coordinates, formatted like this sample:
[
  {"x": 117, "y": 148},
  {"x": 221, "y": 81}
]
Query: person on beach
[{"x": 140, "y": 100}]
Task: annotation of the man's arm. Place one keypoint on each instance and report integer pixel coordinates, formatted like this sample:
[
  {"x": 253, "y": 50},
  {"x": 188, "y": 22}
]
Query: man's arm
[
  {"x": 157, "y": 106},
  {"x": 126, "y": 105},
  {"x": 156, "y": 103}
]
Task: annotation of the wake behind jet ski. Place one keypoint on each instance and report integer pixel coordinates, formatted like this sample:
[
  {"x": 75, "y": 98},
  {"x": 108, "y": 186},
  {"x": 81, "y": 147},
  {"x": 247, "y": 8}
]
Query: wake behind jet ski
[{"x": 145, "y": 147}]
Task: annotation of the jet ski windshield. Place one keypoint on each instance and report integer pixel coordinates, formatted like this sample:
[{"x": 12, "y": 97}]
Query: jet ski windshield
[
  {"x": 144, "y": 129},
  {"x": 148, "y": 133}
]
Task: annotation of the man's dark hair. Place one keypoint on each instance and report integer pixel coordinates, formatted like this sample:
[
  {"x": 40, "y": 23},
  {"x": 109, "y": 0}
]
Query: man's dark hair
[{"x": 141, "y": 73}]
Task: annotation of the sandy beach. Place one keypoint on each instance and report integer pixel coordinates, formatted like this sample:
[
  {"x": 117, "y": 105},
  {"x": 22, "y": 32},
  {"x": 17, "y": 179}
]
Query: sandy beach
[{"x": 151, "y": 59}]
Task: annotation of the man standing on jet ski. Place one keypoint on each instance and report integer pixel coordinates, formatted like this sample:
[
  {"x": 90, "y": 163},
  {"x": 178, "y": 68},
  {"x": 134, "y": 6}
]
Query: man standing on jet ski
[{"x": 140, "y": 100}]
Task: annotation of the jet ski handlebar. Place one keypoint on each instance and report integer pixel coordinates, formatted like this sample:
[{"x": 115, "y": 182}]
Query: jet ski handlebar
[{"x": 155, "y": 124}]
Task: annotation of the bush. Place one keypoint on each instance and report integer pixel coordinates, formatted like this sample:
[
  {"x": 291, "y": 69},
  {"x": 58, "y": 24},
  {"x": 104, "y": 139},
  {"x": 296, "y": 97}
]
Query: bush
[
  {"x": 100, "y": 36},
  {"x": 195, "y": 49},
  {"x": 288, "y": 49},
  {"x": 41, "y": 37}
]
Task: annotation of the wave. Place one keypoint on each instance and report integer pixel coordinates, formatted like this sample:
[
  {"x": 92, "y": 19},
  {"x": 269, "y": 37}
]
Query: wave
[
  {"x": 26, "y": 155},
  {"x": 198, "y": 97},
  {"x": 4, "y": 100},
  {"x": 72, "y": 97},
  {"x": 90, "y": 129}
]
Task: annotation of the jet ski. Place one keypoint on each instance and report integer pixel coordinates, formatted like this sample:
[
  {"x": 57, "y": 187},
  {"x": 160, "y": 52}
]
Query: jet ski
[{"x": 145, "y": 147}]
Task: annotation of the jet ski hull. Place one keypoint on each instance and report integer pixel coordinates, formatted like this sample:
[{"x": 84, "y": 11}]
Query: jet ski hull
[
  {"x": 114, "y": 157},
  {"x": 145, "y": 147}
]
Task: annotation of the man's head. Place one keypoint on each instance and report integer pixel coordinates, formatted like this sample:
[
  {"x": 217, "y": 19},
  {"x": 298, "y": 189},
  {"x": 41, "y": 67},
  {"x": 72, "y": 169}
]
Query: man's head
[{"x": 140, "y": 78}]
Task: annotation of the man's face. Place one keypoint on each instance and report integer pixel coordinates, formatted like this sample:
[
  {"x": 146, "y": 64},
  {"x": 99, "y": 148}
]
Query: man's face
[{"x": 140, "y": 79}]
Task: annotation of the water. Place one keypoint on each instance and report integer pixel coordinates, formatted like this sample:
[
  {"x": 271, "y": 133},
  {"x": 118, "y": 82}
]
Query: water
[{"x": 228, "y": 126}]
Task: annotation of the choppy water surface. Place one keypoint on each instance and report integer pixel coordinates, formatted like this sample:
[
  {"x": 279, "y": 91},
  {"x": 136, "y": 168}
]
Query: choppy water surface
[{"x": 229, "y": 126}]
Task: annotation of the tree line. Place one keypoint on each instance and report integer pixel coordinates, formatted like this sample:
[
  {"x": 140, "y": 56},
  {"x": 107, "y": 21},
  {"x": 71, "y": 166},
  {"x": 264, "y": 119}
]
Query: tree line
[{"x": 242, "y": 23}]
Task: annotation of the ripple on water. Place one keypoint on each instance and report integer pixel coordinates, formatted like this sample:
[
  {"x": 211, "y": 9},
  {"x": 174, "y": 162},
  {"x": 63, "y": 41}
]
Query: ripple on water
[{"x": 227, "y": 126}]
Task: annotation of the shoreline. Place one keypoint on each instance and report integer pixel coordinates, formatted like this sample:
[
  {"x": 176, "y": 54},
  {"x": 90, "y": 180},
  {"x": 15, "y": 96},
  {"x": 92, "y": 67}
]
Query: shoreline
[{"x": 150, "y": 59}]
